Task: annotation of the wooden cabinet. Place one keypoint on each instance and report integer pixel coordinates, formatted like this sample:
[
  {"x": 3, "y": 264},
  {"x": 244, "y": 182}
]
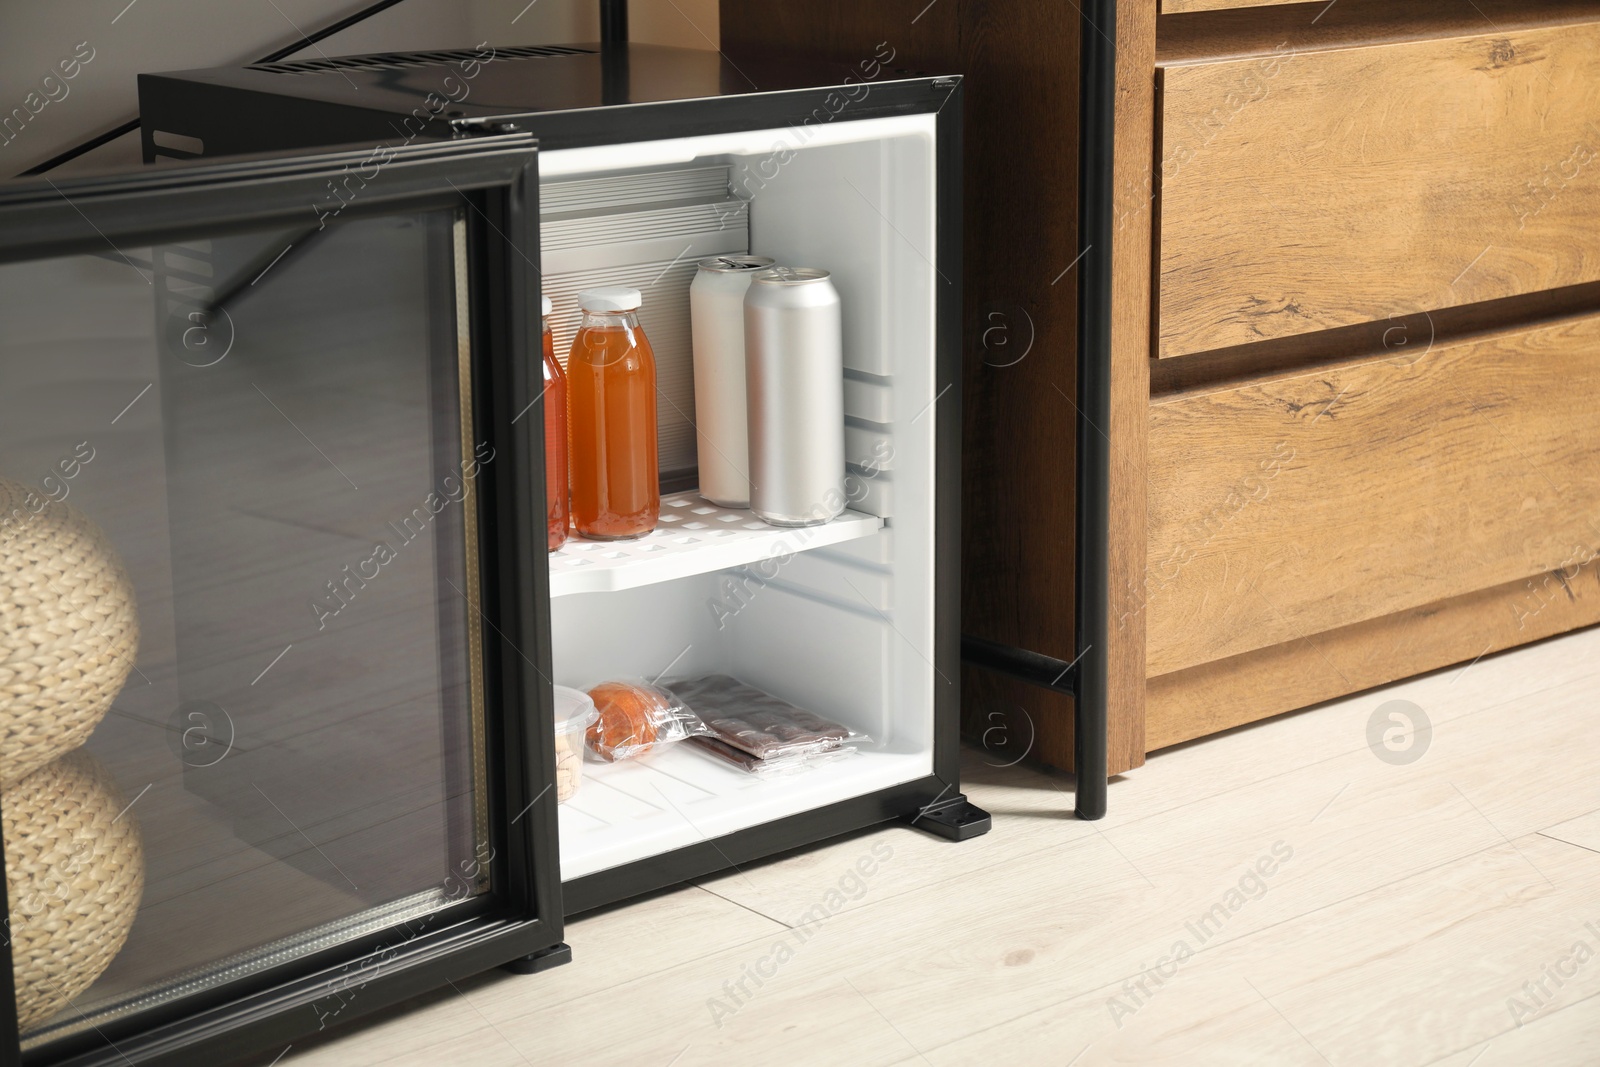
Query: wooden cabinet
[
  {"x": 1371, "y": 449},
  {"x": 1334, "y": 496},
  {"x": 1355, "y": 338},
  {"x": 1306, "y": 188}
]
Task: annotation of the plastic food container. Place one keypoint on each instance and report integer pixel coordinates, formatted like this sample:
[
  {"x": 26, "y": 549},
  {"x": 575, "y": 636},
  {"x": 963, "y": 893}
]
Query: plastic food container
[{"x": 575, "y": 712}]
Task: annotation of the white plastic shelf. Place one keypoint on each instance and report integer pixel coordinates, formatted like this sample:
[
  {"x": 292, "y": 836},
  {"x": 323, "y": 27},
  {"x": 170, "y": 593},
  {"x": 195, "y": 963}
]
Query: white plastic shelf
[
  {"x": 694, "y": 536},
  {"x": 680, "y": 796}
]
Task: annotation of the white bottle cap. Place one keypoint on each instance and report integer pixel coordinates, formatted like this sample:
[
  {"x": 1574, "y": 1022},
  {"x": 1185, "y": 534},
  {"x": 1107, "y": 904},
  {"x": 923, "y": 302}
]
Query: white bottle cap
[
  {"x": 610, "y": 298},
  {"x": 545, "y": 307}
]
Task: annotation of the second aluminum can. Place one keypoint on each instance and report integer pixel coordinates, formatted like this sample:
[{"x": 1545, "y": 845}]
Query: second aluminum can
[
  {"x": 794, "y": 382},
  {"x": 716, "y": 326}
]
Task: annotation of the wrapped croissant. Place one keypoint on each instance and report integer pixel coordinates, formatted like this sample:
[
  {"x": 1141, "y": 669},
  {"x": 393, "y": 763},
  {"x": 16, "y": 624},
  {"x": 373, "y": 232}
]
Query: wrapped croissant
[{"x": 635, "y": 718}]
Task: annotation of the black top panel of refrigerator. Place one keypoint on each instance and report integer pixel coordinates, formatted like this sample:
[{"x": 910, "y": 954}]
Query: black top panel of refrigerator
[{"x": 579, "y": 95}]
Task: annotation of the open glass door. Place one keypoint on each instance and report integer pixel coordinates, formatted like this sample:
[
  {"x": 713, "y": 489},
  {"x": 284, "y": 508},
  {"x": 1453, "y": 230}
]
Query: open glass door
[{"x": 263, "y": 476}]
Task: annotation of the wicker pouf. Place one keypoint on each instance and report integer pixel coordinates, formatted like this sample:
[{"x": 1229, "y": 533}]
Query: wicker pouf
[
  {"x": 68, "y": 629},
  {"x": 74, "y": 874}
]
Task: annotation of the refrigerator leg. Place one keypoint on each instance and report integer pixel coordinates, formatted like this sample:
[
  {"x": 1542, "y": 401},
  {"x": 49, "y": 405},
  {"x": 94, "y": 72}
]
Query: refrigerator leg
[
  {"x": 953, "y": 818},
  {"x": 554, "y": 956}
]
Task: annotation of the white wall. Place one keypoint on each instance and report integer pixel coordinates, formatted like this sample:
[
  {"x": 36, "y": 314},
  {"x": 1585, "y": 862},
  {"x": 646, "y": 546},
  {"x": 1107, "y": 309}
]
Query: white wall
[{"x": 151, "y": 35}]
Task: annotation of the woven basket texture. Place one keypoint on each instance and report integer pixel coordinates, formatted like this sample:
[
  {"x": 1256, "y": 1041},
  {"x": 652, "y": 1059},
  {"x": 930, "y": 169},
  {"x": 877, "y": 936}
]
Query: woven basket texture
[
  {"x": 69, "y": 632},
  {"x": 74, "y": 875}
]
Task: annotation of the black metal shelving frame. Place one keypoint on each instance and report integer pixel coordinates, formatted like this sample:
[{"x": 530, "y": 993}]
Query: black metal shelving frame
[{"x": 1084, "y": 678}]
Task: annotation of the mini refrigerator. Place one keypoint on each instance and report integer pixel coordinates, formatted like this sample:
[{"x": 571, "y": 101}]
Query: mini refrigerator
[{"x": 282, "y": 629}]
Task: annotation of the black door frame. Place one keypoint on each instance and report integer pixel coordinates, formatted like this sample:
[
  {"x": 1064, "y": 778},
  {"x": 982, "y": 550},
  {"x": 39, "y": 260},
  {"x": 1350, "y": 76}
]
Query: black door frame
[{"x": 520, "y": 919}]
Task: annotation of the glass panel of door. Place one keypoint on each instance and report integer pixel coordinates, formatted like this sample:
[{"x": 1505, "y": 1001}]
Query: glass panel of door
[{"x": 240, "y": 706}]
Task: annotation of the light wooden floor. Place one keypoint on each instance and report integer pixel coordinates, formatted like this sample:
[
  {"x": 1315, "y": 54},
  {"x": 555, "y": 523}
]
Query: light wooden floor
[{"x": 1415, "y": 903}]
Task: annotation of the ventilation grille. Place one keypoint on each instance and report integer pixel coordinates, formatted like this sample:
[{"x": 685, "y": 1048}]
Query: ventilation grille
[
  {"x": 597, "y": 195},
  {"x": 401, "y": 60}
]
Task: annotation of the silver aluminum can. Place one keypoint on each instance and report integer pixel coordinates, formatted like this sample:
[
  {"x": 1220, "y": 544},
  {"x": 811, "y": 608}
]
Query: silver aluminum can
[
  {"x": 716, "y": 324},
  {"x": 794, "y": 384}
]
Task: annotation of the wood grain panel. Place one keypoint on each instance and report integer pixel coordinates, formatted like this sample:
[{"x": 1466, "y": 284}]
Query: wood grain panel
[
  {"x": 1282, "y": 509},
  {"x": 1317, "y": 25},
  {"x": 1225, "y": 693},
  {"x": 1130, "y": 381},
  {"x": 1178, "y": 7},
  {"x": 1307, "y": 190},
  {"x": 1020, "y": 304},
  {"x": 1395, "y": 337}
]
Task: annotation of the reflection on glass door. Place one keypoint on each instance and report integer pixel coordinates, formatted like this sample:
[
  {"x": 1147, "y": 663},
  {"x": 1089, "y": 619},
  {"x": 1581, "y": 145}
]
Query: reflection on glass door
[{"x": 240, "y": 703}]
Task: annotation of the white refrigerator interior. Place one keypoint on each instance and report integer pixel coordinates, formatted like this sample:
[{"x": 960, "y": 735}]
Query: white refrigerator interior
[{"x": 837, "y": 619}]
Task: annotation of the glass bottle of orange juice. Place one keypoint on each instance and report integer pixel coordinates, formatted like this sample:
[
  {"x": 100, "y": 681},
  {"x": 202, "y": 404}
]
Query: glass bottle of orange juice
[
  {"x": 555, "y": 437},
  {"x": 611, "y": 414}
]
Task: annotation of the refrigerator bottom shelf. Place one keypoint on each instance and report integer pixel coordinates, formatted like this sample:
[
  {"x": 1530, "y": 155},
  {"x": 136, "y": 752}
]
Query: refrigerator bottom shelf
[{"x": 679, "y": 796}]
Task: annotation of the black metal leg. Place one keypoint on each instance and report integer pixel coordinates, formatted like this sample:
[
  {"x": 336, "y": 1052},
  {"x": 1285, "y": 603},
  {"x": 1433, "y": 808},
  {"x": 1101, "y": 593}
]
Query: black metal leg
[
  {"x": 1097, "y": 95},
  {"x": 1047, "y": 672},
  {"x": 554, "y": 956},
  {"x": 1086, "y": 677},
  {"x": 614, "y": 21}
]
